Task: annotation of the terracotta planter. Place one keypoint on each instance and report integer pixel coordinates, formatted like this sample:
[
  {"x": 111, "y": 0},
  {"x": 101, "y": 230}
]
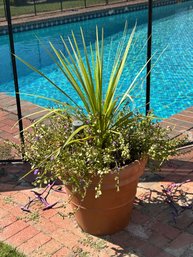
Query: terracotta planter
[{"x": 112, "y": 210}]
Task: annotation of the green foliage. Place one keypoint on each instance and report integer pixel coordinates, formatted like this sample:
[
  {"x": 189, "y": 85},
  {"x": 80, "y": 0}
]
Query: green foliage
[
  {"x": 8, "y": 200},
  {"x": 112, "y": 136},
  {"x": 97, "y": 244},
  {"x": 8, "y": 251},
  {"x": 77, "y": 163},
  {"x": 34, "y": 216}
]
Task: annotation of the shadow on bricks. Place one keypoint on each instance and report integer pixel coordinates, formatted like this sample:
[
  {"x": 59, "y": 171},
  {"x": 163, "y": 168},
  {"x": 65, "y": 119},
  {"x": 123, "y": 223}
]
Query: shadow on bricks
[
  {"x": 154, "y": 230},
  {"x": 11, "y": 177}
]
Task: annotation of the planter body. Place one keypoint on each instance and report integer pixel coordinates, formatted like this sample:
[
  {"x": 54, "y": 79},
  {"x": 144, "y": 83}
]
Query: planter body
[{"x": 112, "y": 210}]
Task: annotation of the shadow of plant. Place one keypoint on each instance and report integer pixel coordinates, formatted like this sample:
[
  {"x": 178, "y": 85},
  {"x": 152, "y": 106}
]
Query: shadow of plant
[
  {"x": 11, "y": 174},
  {"x": 156, "y": 221},
  {"x": 159, "y": 216}
]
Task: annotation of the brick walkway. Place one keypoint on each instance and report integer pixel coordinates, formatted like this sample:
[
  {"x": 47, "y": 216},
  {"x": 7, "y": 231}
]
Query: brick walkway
[
  {"x": 151, "y": 233},
  {"x": 8, "y": 119}
]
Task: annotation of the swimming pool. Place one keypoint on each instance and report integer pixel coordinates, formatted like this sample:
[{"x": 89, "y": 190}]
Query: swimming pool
[{"x": 172, "y": 77}]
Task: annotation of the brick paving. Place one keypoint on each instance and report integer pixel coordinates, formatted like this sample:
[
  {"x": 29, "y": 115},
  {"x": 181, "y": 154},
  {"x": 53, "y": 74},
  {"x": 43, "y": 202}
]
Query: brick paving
[
  {"x": 152, "y": 231},
  {"x": 8, "y": 121},
  {"x": 181, "y": 123}
]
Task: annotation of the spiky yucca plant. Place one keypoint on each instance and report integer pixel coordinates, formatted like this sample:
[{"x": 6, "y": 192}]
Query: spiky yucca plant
[
  {"x": 86, "y": 77},
  {"x": 111, "y": 135}
]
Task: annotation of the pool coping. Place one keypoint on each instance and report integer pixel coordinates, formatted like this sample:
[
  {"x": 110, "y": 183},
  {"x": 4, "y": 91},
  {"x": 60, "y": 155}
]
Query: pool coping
[
  {"x": 180, "y": 123},
  {"x": 43, "y": 20}
]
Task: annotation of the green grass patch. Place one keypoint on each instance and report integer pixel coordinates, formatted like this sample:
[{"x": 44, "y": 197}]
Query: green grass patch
[
  {"x": 51, "y": 5},
  {"x": 8, "y": 251}
]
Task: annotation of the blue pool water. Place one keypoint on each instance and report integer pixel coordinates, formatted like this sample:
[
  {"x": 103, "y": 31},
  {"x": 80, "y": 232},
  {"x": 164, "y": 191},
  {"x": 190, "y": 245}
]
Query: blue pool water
[{"x": 172, "y": 76}]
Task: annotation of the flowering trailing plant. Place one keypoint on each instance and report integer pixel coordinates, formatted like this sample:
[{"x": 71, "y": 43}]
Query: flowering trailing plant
[
  {"x": 111, "y": 135},
  {"x": 78, "y": 162}
]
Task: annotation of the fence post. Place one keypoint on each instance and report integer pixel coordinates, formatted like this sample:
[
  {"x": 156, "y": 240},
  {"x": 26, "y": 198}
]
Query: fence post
[
  {"x": 149, "y": 45},
  {"x": 14, "y": 67},
  {"x": 4, "y": 9},
  {"x": 85, "y": 5},
  {"x": 61, "y": 5},
  {"x": 35, "y": 10}
]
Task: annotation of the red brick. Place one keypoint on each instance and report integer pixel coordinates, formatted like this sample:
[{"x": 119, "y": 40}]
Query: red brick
[
  {"x": 8, "y": 136},
  {"x": 2, "y": 124},
  {"x": 125, "y": 240},
  {"x": 184, "y": 117},
  {"x": 55, "y": 197},
  {"x": 186, "y": 157},
  {"x": 22, "y": 236},
  {"x": 62, "y": 252},
  {"x": 10, "y": 103},
  {"x": 67, "y": 238},
  {"x": 177, "y": 178},
  {"x": 49, "y": 213},
  {"x": 3, "y": 118},
  {"x": 3, "y": 212},
  {"x": 25, "y": 190},
  {"x": 3, "y": 113},
  {"x": 16, "y": 211},
  {"x": 181, "y": 245},
  {"x": 65, "y": 223},
  {"x": 183, "y": 221},
  {"x": 12, "y": 117},
  {"x": 164, "y": 254},
  {"x": 183, "y": 240},
  {"x": 12, "y": 229},
  {"x": 5, "y": 101},
  {"x": 46, "y": 226},
  {"x": 7, "y": 220},
  {"x": 150, "y": 250},
  {"x": 190, "y": 229},
  {"x": 102, "y": 254},
  {"x": 5, "y": 135},
  {"x": 34, "y": 243},
  {"x": 49, "y": 248},
  {"x": 20, "y": 198},
  {"x": 189, "y": 186},
  {"x": 3, "y": 95},
  {"x": 166, "y": 230},
  {"x": 10, "y": 122},
  {"x": 159, "y": 240},
  {"x": 10, "y": 129},
  {"x": 165, "y": 216},
  {"x": 138, "y": 217}
]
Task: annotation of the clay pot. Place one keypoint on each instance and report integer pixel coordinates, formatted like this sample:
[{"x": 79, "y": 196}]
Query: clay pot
[{"x": 112, "y": 210}]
